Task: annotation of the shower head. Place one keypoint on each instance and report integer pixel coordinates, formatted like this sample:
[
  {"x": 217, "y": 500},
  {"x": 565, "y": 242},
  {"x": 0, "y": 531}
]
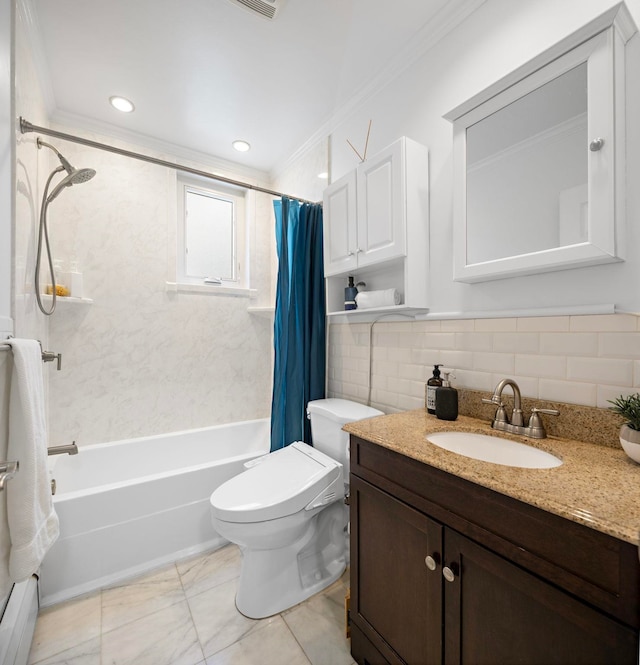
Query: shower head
[{"x": 75, "y": 177}]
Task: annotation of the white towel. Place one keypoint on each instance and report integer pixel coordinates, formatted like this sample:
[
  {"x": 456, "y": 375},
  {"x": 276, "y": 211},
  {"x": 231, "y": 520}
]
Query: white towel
[
  {"x": 384, "y": 298},
  {"x": 33, "y": 523}
]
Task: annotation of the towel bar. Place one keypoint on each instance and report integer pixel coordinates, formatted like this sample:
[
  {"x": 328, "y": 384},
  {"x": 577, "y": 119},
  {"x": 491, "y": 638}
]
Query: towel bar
[
  {"x": 7, "y": 471},
  {"x": 47, "y": 356}
]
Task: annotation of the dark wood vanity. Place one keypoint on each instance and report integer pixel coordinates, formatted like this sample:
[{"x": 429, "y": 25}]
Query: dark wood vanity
[{"x": 444, "y": 570}]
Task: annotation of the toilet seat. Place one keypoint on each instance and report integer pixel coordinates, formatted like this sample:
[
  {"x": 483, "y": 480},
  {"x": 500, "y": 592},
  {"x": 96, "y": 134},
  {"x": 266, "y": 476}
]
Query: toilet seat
[{"x": 285, "y": 482}]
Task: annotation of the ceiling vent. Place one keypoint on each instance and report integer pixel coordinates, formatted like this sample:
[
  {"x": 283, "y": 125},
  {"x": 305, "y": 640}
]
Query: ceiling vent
[{"x": 268, "y": 9}]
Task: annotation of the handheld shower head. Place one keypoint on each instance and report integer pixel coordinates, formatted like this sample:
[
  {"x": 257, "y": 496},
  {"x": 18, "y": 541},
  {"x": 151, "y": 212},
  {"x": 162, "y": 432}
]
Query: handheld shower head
[{"x": 75, "y": 177}]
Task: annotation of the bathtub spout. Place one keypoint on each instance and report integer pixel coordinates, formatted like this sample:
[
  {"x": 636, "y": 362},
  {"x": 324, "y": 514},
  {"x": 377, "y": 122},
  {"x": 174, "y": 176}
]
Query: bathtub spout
[{"x": 70, "y": 448}]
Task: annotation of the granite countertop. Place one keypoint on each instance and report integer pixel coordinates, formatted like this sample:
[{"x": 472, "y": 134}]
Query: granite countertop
[{"x": 596, "y": 485}]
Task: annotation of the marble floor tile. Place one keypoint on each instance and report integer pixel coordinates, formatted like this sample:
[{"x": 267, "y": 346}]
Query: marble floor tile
[
  {"x": 217, "y": 621},
  {"x": 64, "y": 626},
  {"x": 166, "y": 637},
  {"x": 127, "y": 602},
  {"x": 208, "y": 570},
  {"x": 272, "y": 644},
  {"x": 318, "y": 626},
  {"x": 87, "y": 653}
]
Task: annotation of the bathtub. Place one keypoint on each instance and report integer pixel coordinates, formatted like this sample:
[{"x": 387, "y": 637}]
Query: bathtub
[{"x": 130, "y": 506}]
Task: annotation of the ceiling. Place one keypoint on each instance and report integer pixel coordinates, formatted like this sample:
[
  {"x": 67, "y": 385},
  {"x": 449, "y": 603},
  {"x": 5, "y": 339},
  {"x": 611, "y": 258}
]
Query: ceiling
[{"x": 202, "y": 73}]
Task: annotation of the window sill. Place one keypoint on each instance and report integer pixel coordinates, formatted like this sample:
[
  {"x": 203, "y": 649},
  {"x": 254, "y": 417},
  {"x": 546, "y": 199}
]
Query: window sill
[{"x": 211, "y": 290}]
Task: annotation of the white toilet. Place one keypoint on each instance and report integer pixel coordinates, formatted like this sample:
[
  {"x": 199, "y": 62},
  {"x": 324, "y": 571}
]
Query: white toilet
[{"x": 287, "y": 513}]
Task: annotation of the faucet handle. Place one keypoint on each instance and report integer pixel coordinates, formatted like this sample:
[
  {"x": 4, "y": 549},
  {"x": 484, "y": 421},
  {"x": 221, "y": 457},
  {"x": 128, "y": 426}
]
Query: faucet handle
[
  {"x": 536, "y": 421},
  {"x": 550, "y": 412},
  {"x": 500, "y": 415}
]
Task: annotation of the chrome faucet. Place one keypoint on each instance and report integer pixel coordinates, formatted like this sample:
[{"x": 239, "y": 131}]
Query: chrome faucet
[{"x": 515, "y": 425}]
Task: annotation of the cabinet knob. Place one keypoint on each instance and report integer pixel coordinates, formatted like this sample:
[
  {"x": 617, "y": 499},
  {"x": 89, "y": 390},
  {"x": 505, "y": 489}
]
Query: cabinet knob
[
  {"x": 596, "y": 145},
  {"x": 432, "y": 561},
  {"x": 350, "y": 254},
  {"x": 448, "y": 574}
]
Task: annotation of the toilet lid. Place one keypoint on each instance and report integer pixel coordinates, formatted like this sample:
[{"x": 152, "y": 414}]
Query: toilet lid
[{"x": 283, "y": 484}]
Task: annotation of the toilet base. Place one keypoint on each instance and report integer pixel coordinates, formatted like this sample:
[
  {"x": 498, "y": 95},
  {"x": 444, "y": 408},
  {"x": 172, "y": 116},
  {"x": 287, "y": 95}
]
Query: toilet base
[{"x": 274, "y": 580}]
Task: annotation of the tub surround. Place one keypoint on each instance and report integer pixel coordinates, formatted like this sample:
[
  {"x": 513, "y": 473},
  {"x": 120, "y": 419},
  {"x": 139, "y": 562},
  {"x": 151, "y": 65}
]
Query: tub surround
[{"x": 596, "y": 485}]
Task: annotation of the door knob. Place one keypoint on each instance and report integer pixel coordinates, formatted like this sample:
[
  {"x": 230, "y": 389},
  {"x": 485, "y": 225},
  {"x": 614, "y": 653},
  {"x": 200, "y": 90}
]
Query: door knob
[
  {"x": 432, "y": 561},
  {"x": 448, "y": 574}
]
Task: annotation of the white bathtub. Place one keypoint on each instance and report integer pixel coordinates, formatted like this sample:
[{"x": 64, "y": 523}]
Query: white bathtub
[{"x": 130, "y": 506}]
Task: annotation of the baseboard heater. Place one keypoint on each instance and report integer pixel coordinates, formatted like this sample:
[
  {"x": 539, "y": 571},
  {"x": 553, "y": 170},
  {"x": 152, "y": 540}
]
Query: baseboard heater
[{"x": 18, "y": 622}]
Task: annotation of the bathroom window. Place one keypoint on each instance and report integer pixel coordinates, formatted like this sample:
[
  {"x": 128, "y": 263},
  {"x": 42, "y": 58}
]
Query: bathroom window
[{"x": 211, "y": 235}]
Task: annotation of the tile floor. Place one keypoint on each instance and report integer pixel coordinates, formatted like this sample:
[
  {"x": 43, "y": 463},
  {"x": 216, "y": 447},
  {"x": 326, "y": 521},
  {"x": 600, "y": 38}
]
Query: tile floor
[{"x": 184, "y": 614}]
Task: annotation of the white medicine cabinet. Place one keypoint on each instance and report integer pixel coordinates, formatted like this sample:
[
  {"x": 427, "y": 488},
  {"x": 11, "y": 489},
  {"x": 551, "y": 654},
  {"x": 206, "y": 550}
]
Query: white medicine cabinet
[
  {"x": 539, "y": 160},
  {"x": 376, "y": 228}
]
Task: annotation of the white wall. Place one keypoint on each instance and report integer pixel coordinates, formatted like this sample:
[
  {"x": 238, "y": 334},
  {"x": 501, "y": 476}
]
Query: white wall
[{"x": 497, "y": 38}]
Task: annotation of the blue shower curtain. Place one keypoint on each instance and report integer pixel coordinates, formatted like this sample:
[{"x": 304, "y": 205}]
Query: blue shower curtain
[{"x": 299, "y": 326}]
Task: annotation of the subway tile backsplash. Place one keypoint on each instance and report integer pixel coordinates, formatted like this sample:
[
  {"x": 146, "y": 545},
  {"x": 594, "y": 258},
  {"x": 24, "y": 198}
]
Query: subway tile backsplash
[{"x": 585, "y": 360}]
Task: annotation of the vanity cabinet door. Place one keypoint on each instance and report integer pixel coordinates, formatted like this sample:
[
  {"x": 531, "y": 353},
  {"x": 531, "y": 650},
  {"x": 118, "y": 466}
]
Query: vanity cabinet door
[
  {"x": 396, "y": 594},
  {"x": 496, "y": 612}
]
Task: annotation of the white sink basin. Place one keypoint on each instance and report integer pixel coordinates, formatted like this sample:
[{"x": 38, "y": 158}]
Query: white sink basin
[{"x": 495, "y": 450}]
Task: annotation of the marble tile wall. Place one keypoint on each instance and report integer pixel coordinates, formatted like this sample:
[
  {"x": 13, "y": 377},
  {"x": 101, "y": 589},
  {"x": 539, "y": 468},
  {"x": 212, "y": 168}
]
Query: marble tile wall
[
  {"x": 141, "y": 359},
  {"x": 583, "y": 360}
]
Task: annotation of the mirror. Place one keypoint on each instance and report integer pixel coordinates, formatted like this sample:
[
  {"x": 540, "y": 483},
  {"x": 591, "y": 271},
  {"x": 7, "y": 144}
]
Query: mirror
[
  {"x": 527, "y": 172},
  {"x": 535, "y": 160}
]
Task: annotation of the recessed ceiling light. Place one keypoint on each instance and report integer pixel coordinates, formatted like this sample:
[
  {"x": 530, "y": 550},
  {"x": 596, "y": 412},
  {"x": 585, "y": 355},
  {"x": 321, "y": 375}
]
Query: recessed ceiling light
[
  {"x": 323, "y": 176},
  {"x": 122, "y": 104},
  {"x": 241, "y": 146}
]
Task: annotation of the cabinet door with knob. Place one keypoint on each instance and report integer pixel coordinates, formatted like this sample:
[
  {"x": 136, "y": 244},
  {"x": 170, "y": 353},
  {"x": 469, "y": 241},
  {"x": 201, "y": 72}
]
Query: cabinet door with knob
[
  {"x": 396, "y": 590},
  {"x": 340, "y": 231},
  {"x": 381, "y": 195},
  {"x": 496, "y": 612}
]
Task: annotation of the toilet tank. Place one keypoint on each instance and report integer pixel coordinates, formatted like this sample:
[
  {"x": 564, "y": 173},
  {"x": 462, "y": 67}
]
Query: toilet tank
[{"x": 327, "y": 418}]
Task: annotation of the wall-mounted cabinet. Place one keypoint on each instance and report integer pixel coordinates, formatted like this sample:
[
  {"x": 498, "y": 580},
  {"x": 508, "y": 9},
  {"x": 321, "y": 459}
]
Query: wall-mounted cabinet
[
  {"x": 539, "y": 160},
  {"x": 376, "y": 227}
]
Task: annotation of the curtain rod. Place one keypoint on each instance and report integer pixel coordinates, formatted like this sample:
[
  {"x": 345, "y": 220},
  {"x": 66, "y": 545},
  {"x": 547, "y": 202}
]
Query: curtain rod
[{"x": 26, "y": 126}]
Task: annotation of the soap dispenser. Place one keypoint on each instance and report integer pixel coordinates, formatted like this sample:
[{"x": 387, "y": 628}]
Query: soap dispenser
[
  {"x": 446, "y": 400},
  {"x": 432, "y": 384},
  {"x": 350, "y": 294}
]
